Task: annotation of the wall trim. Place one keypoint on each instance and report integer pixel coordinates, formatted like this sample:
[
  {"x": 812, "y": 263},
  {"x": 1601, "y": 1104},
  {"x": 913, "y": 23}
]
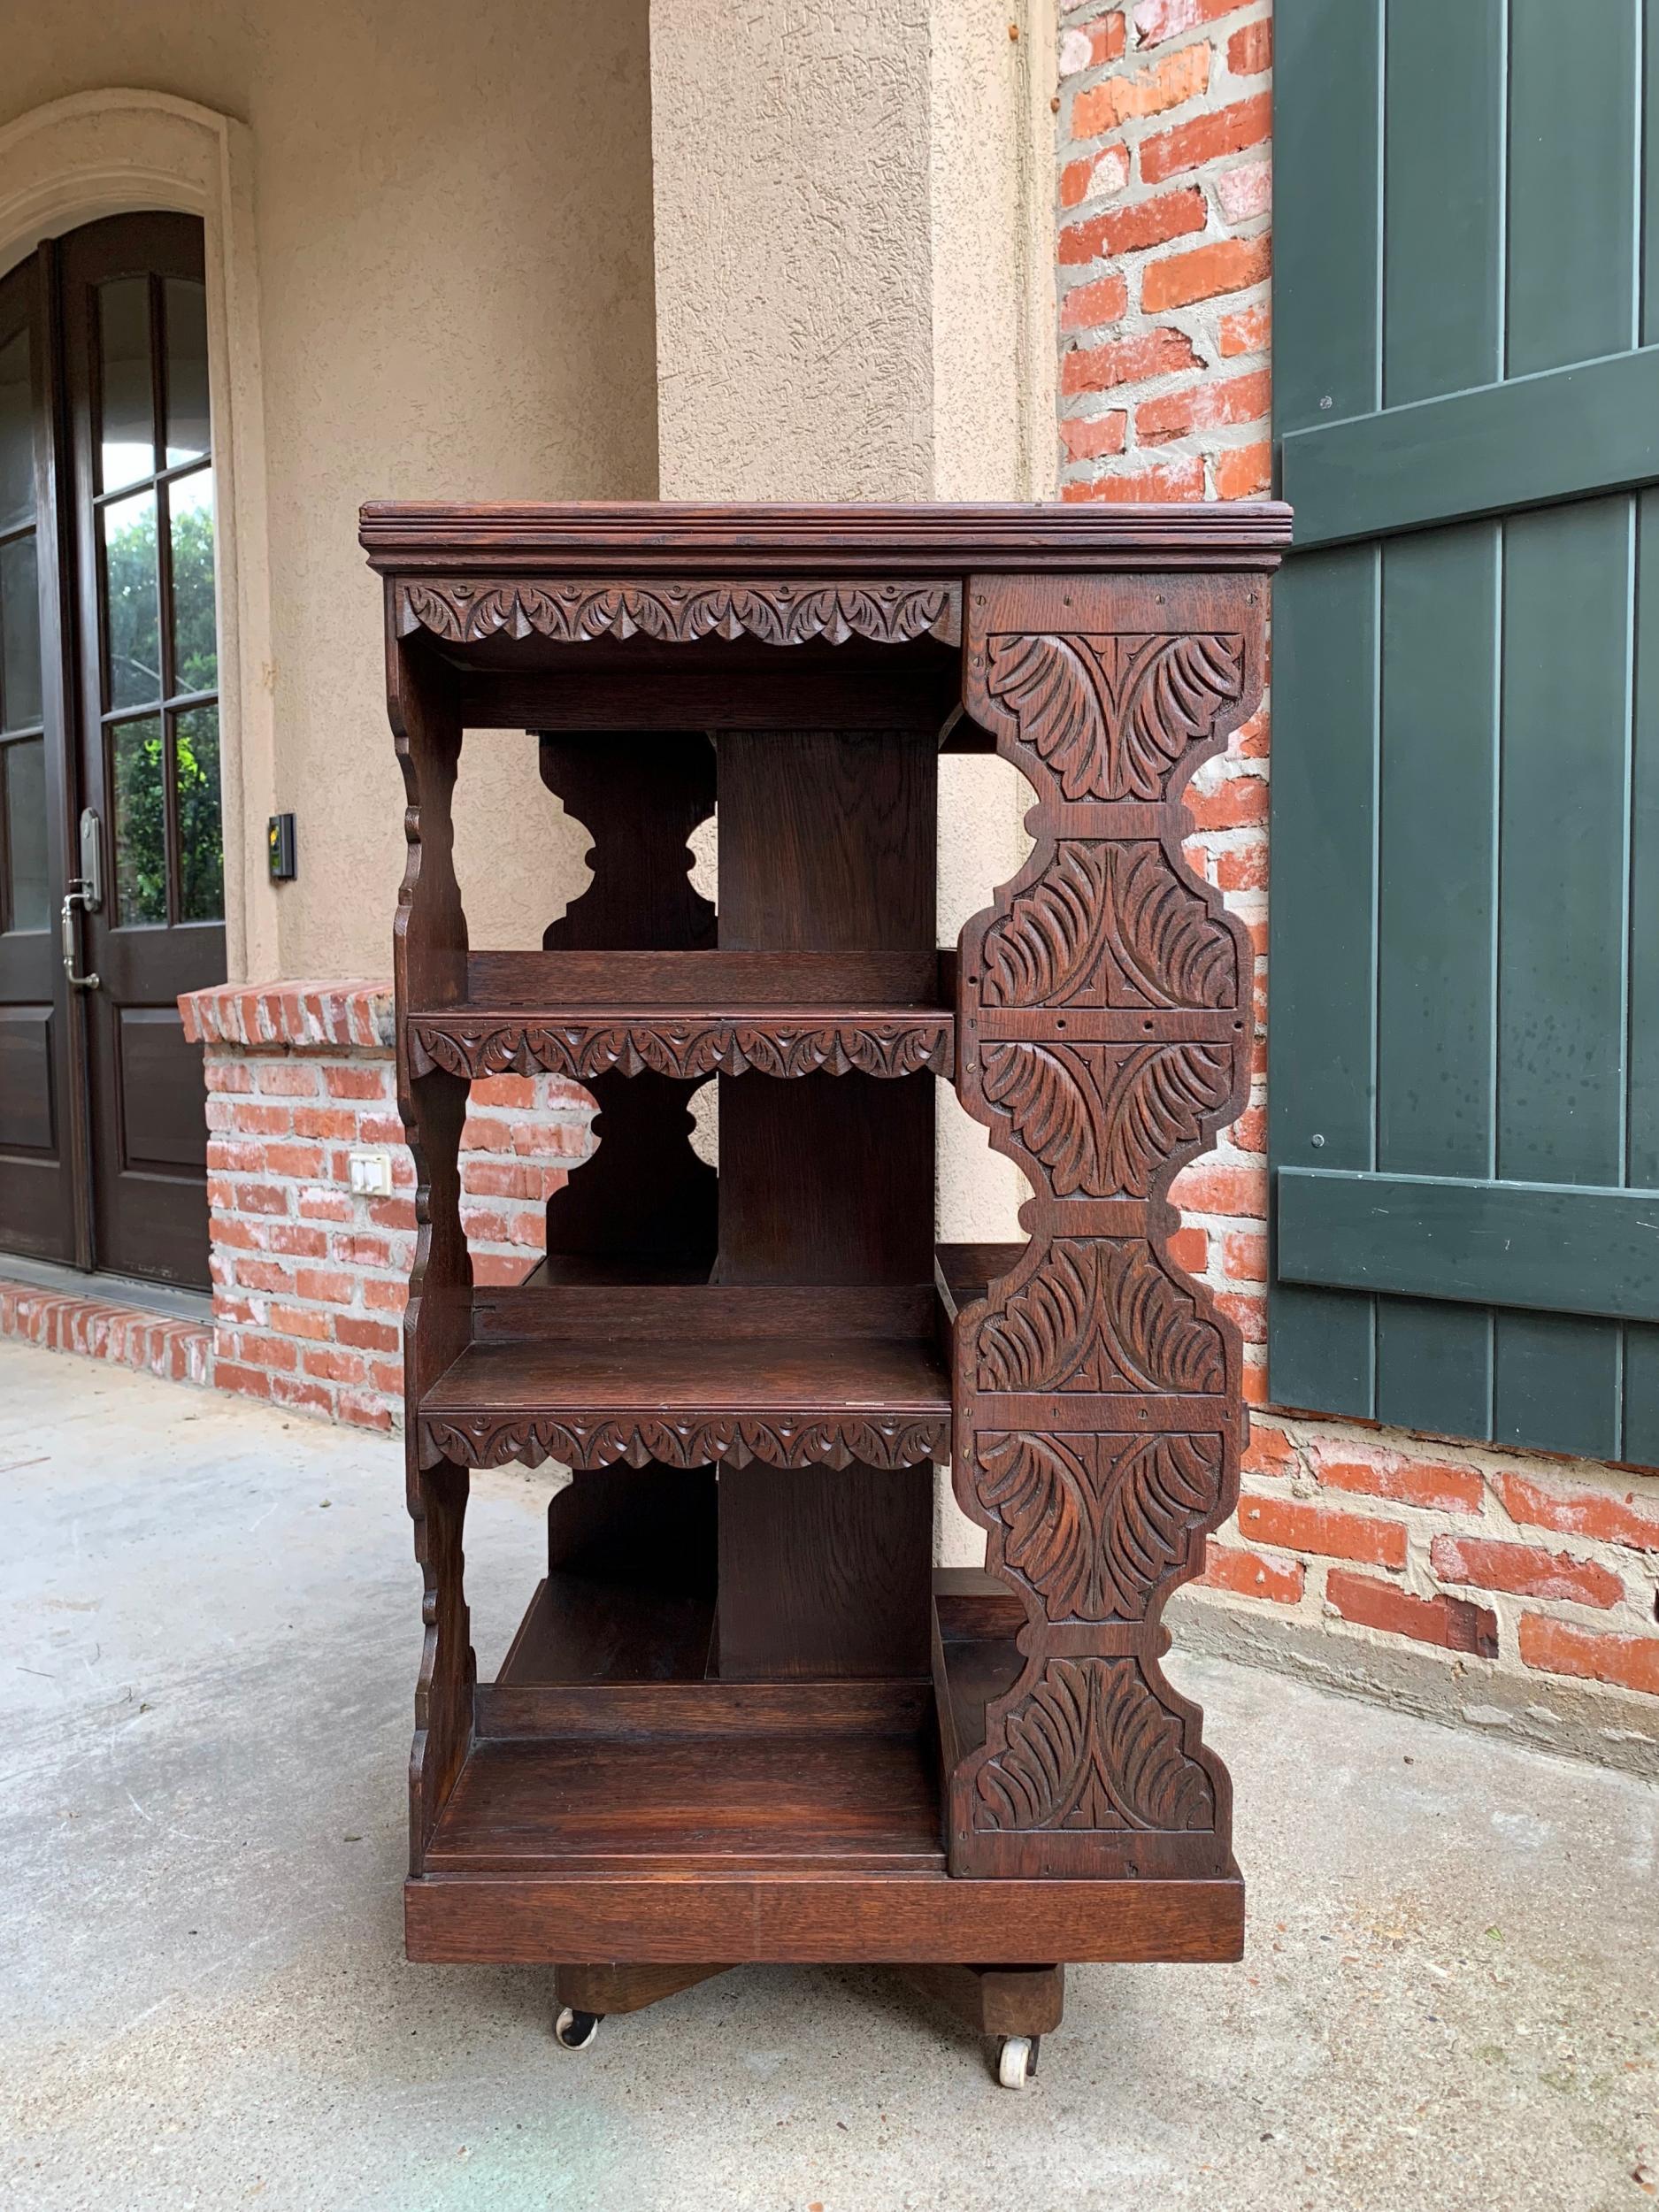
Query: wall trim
[{"x": 117, "y": 151}]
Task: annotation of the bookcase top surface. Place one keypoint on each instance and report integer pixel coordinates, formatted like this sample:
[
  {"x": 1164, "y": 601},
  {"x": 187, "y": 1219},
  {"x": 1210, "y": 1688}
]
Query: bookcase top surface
[{"x": 410, "y": 537}]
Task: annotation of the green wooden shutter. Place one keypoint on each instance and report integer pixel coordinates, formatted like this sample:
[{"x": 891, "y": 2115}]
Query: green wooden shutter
[{"x": 1463, "y": 977}]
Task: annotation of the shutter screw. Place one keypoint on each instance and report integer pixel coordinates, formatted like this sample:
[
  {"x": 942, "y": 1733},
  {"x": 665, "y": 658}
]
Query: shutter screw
[{"x": 1318, "y": 1141}]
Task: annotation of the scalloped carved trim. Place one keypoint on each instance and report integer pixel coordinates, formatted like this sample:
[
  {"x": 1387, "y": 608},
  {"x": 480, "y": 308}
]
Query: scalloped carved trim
[
  {"x": 1098, "y": 1524},
  {"x": 1100, "y": 1315},
  {"x": 1104, "y": 1119},
  {"x": 463, "y": 611},
  {"x": 1110, "y": 926},
  {"x": 700, "y": 1440},
  {"x": 690, "y": 1049},
  {"x": 1111, "y": 714},
  {"x": 1092, "y": 1747}
]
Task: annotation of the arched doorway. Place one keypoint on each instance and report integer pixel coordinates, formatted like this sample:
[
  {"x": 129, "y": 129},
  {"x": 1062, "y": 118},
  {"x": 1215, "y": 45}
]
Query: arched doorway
[{"x": 112, "y": 846}]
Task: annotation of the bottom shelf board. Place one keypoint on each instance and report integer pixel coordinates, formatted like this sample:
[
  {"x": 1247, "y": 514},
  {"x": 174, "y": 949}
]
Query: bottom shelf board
[
  {"x": 818, "y": 1919},
  {"x": 752, "y": 1798}
]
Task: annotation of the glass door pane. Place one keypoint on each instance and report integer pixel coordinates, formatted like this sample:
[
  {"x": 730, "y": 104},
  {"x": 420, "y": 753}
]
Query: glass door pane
[
  {"x": 24, "y": 893},
  {"x": 190, "y": 546},
  {"x": 126, "y": 409},
  {"x": 185, "y": 317},
  {"x": 132, "y": 601},
  {"x": 17, "y": 434}
]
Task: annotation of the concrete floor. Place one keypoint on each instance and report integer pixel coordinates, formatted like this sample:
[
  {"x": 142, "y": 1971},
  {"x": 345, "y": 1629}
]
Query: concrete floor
[{"x": 211, "y": 1627}]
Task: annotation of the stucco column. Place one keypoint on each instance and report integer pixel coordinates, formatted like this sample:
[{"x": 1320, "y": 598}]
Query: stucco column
[
  {"x": 854, "y": 253},
  {"x": 854, "y": 301}
]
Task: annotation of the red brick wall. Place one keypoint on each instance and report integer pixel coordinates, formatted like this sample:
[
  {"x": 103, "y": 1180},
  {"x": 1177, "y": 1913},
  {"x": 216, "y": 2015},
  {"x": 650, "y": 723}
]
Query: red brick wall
[
  {"x": 1164, "y": 114},
  {"x": 310, "y": 1280},
  {"x": 1545, "y": 1570}
]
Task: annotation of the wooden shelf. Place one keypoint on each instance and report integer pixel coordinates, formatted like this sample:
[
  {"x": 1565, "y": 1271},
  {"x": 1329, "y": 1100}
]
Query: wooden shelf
[
  {"x": 726, "y": 1777},
  {"x": 691, "y": 1399}
]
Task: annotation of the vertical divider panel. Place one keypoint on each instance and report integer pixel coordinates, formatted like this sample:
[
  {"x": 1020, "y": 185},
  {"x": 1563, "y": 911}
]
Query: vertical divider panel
[
  {"x": 1104, "y": 1035},
  {"x": 827, "y": 843}
]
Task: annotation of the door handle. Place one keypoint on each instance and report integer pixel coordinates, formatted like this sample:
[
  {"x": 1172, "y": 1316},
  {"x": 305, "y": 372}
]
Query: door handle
[{"x": 75, "y": 896}]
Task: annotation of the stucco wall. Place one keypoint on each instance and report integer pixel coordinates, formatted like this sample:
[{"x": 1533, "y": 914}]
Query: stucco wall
[
  {"x": 453, "y": 224},
  {"x": 790, "y": 152}
]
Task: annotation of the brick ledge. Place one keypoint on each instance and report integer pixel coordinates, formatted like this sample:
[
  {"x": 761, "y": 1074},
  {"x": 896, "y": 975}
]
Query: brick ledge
[
  {"x": 100, "y": 1328},
  {"x": 350, "y": 1015}
]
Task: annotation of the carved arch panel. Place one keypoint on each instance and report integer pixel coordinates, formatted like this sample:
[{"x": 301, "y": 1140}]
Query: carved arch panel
[{"x": 1103, "y": 1037}]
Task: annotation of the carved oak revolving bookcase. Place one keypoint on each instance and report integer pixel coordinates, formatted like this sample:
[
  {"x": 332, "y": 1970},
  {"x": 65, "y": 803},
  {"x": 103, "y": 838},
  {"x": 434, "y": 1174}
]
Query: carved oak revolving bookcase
[{"x": 743, "y": 1718}]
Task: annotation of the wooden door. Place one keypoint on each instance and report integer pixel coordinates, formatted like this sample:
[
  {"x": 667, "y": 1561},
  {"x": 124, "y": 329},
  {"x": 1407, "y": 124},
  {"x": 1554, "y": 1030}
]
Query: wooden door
[
  {"x": 136, "y": 353},
  {"x": 42, "y": 1208},
  {"x": 1464, "y": 959}
]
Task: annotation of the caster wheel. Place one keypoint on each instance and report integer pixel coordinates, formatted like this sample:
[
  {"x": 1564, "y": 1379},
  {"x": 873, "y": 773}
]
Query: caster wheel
[
  {"x": 1017, "y": 2059},
  {"x": 574, "y": 2031}
]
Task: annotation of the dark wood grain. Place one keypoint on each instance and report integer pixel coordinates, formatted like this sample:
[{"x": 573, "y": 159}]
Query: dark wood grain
[
  {"x": 965, "y": 1271},
  {"x": 784, "y": 1919},
  {"x": 876, "y": 982},
  {"x": 640, "y": 897},
  {"x": 1104, "y": 1039},
  {"x": 741, "y": 1720},
  {"x": 659, "y": 538},
  {"x": 607, "y": 1989},
  {"x": 996, "y": 2000},
  {"x": 586, "y": 1627},
  {"x": 827, "y": 1573},
  {"x": 826, "y": 842},
  {"x": 834, "y": 1376},
  {"x": 642, "y": 1711},
  {"x": 691, "y": 1802},
  {"x": 599, "y": 1305}
]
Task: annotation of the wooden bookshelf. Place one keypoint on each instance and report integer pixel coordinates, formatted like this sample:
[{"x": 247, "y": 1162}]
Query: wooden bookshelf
[{"x": 744, "y": 1718}]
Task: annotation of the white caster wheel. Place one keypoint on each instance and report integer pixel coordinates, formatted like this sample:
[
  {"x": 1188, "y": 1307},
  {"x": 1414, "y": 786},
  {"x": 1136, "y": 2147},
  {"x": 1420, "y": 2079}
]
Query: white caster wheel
[
  {"x": 1017, "y": 2059},
  {"x": 574, "y": 2031}
]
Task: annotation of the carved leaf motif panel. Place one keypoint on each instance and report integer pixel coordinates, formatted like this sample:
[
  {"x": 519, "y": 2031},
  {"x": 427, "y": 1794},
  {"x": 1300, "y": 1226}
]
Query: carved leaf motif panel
[
  {"x": 1103, "y": 1119},
  {"x": 1100, "y": 1315},
  {"x": 1110, "y": 926},
  {"x": 690, "y": 1049},
  {"x": 463, "y": 611},
  {"x": 1092, "y": 1747},
  {"x": 1095, "y": 1525},
  {"x": 1098, "y": 1524},
  {"x": 1110, "y": 714},
  {"x": 492, "y": 1439}
]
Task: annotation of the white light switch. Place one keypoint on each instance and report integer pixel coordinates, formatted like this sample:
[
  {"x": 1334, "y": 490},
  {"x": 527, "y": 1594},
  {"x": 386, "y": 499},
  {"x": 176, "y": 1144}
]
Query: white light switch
[{"x": 371, "y": 1174}]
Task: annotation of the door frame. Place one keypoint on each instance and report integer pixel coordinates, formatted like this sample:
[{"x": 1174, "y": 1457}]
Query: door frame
[
  {"x": 60, "y": 718},
  {"x": 115, "y": 152}
]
